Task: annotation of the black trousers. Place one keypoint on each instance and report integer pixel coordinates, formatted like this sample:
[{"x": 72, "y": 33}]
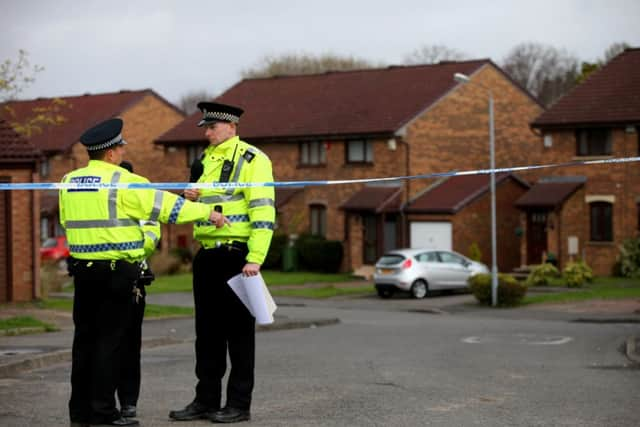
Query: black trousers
[
  {"x": 223, "y": 324},
  {"x": 102, "y": 309},
  {"x": 128, "y": 386}
]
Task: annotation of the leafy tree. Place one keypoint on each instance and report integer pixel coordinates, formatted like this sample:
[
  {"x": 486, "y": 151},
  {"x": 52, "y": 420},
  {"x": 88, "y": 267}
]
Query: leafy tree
[
  {"x": 546, "y": 72},
  {"x": 296, "y": 64},
  {"x": 15, "y": 77},
  {"x": 432, "y": 54},
  {"x": 189, "y": 101}
]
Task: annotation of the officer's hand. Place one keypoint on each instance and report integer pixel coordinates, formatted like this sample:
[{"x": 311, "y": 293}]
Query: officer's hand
[
  {"x": 218, "y": 219},
  {"x": 251, "y": 269},
  {"x": 192, "y": 194}
]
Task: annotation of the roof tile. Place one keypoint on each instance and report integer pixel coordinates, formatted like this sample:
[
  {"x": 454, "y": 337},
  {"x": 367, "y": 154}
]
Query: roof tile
[
  {"x": 610, "y": 95},
  {"x": 371, "y": 101}
]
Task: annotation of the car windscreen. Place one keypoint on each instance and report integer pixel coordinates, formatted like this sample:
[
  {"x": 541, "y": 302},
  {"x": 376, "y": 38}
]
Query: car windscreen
[
  {"x": 49, "y": 243},
  {"x": 390, "y": 259}
]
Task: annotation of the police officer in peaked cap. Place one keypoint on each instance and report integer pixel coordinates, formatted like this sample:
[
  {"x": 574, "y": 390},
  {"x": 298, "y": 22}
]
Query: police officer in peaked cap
[
  {"x": 107, "y": 244},
  {"x": 223, "y": 323}
]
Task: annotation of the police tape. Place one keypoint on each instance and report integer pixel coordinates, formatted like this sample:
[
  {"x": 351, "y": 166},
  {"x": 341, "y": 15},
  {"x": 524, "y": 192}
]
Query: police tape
[{"x": 229, "y": 185}]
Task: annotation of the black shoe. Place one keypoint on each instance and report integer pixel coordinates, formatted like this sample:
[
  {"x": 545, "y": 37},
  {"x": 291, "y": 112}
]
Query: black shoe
[
  {"x": 78, "y": 424},
  {"x": 120, "y": 422},
  {"x": 128, "y": 411},
  {"x": 230, "y": 415},
  {"x": 193, "y": 411}
]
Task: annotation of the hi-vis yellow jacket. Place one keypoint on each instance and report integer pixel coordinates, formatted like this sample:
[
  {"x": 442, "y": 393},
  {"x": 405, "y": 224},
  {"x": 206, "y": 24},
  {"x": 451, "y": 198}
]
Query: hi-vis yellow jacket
[
  {"x": 105, "y": 224},
  {"x": 250, "y": 210}
]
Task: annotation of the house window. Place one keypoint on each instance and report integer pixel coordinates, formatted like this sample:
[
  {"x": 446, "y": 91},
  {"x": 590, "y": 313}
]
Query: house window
[
  {"x": 359, "y": 151},
  {"x": 593, "y": 142},
  {"x": 318, "y": 220},
  {"x": 193, "y": 153},
  {"x": 601, "y": 221},
  {"x": 45, "y": 168},
  {"x": 313, "y": 153}
]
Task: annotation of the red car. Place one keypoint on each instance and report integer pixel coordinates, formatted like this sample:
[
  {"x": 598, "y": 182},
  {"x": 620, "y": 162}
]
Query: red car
[{"x": 54, "y": 249}]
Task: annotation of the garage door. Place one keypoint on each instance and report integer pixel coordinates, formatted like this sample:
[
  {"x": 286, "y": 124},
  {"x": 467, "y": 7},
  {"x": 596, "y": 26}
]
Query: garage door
[{"x": 435, "y": 235}]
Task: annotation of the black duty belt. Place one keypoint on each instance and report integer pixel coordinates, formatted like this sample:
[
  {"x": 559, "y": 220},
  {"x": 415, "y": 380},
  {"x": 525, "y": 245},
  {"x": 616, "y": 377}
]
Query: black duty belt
[{"x": 231, "y": 245}]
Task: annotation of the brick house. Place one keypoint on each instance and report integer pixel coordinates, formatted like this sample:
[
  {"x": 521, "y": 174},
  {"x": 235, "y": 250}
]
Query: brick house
[
  {"x": 19, "y": 231},
  {"x": 400, "y": 120},
  {"x": 146, "y": 115},
  {"x": 586, "y": 212}
]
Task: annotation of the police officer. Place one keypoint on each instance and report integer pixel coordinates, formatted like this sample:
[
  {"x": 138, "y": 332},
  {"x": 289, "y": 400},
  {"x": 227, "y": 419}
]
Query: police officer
[
  {"x": 128, "y": 385},
  {"x": 223, "y": 323},
  {"x": 107, "y": 243}
]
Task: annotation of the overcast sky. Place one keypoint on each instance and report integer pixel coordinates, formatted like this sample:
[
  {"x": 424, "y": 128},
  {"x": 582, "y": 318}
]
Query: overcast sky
[{"x": 175, "y": 47}]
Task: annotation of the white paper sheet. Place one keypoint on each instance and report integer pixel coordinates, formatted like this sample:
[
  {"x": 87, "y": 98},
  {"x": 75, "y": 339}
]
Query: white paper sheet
[{"x": 254, "y": 294}]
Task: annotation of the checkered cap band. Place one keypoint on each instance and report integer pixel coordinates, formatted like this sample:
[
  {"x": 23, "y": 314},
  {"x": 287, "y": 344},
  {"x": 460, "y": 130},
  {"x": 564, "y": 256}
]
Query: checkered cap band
[
  {"x": 113, "y": 141},
  {"x": 218, "y": 115}
]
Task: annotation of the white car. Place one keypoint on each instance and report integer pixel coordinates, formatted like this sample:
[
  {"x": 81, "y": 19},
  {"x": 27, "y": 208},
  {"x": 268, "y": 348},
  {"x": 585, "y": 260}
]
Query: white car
[{"x": 419, "y": 271}]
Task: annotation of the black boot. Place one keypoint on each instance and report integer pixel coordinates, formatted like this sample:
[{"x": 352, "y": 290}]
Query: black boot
[
  {"x": 230, "y": 415},
  {"x": 193, "y": 411}
]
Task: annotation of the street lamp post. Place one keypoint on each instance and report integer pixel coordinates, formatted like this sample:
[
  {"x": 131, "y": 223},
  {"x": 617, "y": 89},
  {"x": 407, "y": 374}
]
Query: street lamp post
[{"x": 462, "y": 78}]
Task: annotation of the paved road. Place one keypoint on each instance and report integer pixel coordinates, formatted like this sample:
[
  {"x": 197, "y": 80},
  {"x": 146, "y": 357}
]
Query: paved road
[{"x": 386, "y": 366}]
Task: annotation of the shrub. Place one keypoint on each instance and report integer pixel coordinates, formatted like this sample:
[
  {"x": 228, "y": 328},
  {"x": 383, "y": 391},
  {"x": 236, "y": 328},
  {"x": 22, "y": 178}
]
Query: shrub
[
  {"x": 474, "y": 252},
  {"x": 629, "y": 257},
  {"x": 163, "y": 263},
  {"x": 510, "y": 291},
  {"x": 319, "y": 254},
  {"x": 576, "y": 273},
  {"x": 540, "y": 274},
  {"x": 273, "y": 259}
]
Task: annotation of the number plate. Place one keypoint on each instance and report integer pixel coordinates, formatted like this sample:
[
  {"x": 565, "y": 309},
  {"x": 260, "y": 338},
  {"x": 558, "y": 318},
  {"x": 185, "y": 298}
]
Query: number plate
[{"x": 386, "y": 271}]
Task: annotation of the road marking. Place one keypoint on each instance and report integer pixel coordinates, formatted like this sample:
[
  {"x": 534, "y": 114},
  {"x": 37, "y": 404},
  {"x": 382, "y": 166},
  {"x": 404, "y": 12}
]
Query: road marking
[{"x": 525, "y": 339}]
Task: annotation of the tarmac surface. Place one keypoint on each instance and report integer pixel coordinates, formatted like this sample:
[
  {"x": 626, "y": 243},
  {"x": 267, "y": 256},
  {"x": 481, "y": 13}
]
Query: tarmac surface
[{"x": 167, "y": 342}]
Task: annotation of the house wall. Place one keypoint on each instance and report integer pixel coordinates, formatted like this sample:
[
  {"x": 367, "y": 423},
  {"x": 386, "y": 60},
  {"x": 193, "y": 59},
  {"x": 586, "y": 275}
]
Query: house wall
[
  {"x": 454, "y": 133},
  {"x": 295, "y": 214},
  {"x": 23, "y": 239},
  {"x": 621, "y": 181},
  {"x": 472, "y": 224}
]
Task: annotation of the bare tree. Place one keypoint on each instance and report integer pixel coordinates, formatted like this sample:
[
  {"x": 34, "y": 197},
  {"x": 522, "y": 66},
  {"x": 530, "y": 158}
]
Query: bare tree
[
  {"x": 295, "y": 64},
  {"x": 189, "y": 101},
  {"x": 15, "y": 77},
  {"x": 614, "y": 50},
  {"x": 546, "y": 72},
  {"x": 432, "y": 54}
]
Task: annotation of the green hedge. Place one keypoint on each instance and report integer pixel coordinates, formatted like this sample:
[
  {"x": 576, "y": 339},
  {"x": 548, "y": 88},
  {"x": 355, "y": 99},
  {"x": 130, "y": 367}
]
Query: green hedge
[
  {"x": 273, "y": 260},
  {"x": 510, "y": 291},
  {"x": 316, "y": 253}
]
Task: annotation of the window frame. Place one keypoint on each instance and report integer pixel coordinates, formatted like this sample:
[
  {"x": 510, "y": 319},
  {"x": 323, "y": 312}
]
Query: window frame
[
  {"x": 367, "y": 152},
  {"x": 307, "y": 149},
  {"x": 601, "y": 227},
  {"x": 318, "y": 220},
  {"x": 590, "y": 143}
]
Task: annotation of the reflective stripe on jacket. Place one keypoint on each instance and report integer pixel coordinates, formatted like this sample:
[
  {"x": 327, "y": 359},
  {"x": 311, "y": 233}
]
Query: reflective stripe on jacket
[
  {"x": 104, "y": 224},
  {"x": 250, "y": 210}
]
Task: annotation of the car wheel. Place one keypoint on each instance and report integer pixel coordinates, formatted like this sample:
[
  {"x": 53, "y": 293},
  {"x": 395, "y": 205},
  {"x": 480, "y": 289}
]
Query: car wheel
[
  {"x": 385, "y": 293},
  {"x": 419, "y": 289}
]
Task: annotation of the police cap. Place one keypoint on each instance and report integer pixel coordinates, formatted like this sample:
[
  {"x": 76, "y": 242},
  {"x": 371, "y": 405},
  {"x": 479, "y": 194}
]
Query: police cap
[
  {"x": 103, "y": 135},
  {"x": 215, "y": 112}
]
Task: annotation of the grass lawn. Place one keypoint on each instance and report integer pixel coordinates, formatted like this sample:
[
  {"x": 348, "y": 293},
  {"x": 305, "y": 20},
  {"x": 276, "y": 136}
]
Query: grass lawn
[
  {"x": 182, "y": 282},
  {"x": 19, "y": 322},
  {"x": 151, "y": 310},
  {"x": 600, "y": 288}
]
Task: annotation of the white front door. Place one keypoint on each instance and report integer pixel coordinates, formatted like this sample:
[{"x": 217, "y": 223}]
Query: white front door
[{"x": 433, "y": 235}]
